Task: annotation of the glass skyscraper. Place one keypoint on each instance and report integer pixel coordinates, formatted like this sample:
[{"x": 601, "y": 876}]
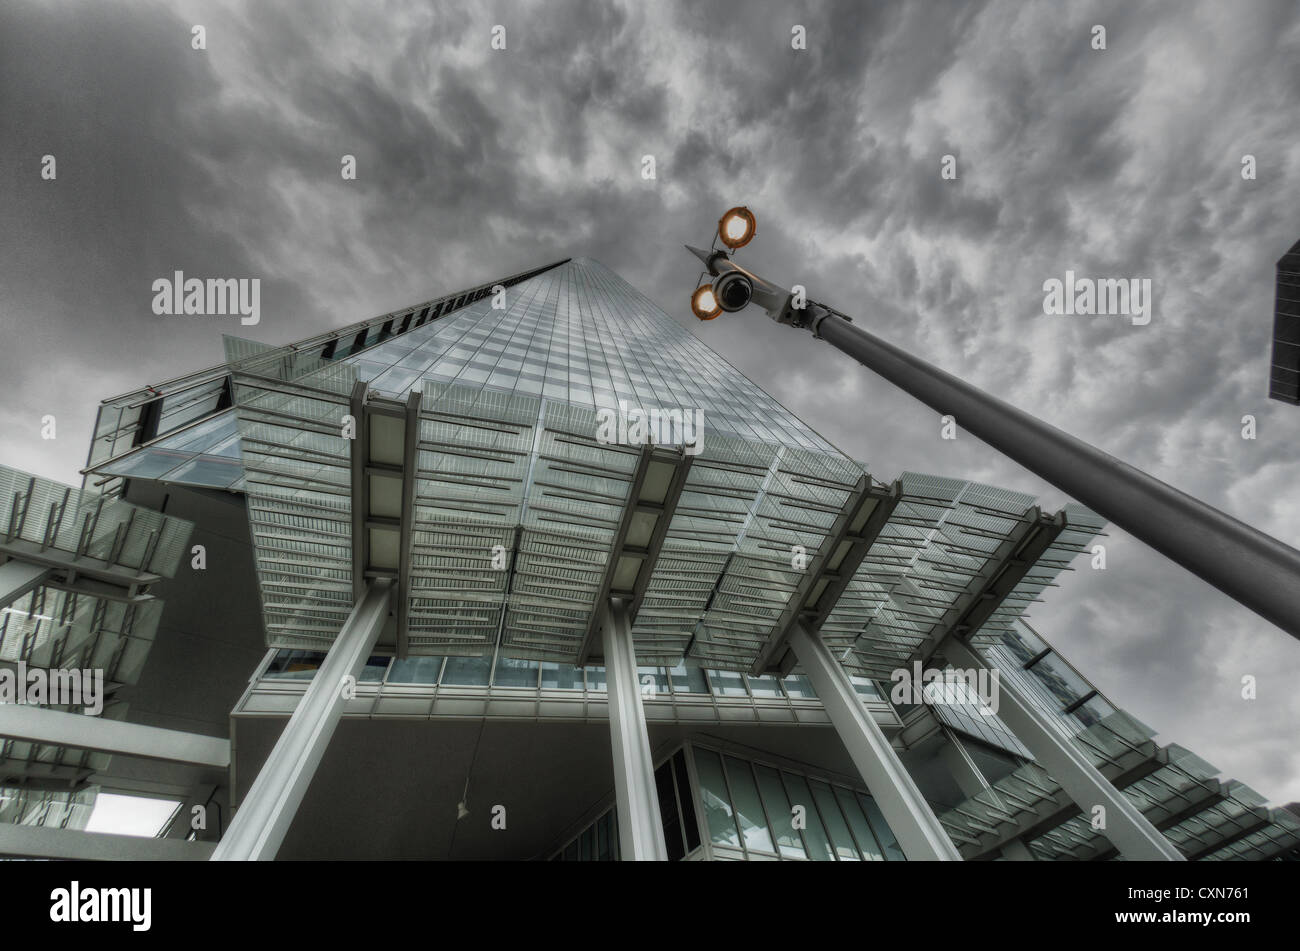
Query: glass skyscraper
[{"x": 446, "y": 547}]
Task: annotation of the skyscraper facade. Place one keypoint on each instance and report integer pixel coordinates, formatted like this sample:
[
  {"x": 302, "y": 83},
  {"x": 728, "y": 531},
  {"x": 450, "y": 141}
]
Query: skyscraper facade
[{"x": 528, "y": 571}]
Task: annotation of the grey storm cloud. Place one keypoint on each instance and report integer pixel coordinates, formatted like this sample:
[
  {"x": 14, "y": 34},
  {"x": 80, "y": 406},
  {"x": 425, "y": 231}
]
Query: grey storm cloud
[{"x": 474, "y": 163}]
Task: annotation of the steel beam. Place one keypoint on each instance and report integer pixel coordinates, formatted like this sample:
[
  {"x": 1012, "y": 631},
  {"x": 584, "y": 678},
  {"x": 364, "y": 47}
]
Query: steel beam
[
  {"x": 68, "y": 563},
  {"x": 1126, "y": 828},
  {"x": 77, "y": 730},
  {"x": 1054, "y": 811},
  {"x": 1210, "y": 795},
  {"x": 654, "y": 500},
  {"x": 410, "y": 466},
  {"x": 919, "y": 832},
  {"x": 267, "y": 811},
  {"x": 854, "y": 531},
  {"x": 360, "y": 489},
  {"x": 1262, "y": 821},
  {"x": 18, "y": 578},
  {"x": 46, "y": 842},
  {"x": 1015, "y": 560},
  {"x": 640, "y": 826}
]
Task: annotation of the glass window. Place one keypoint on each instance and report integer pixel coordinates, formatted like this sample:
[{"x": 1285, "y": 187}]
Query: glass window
[
  {"x": 415, "y": 670},
  {"x": 653, "y": 677},
  {"x": 819, "y": 846},
  {"x": 669, "y": 816},
  {"x": 765, "y": 686},
  {"x": 717, "y": 804},
  {"x": 561, "y": 676},
  {"x": 595, "y": 678},
  {"x": 374, "y": 670},
  {"x": 604, "y": 837},
  {"x": 834, "y": 822},
  {"x": 467, "y": 671},
  {"x": 865, "y": 688},
  {"x": 858, "y": 825},
  {"x": 690, "y": 825},
  {"x": 749, "y": 809},
  {"x": 515, "y": 673},
  {"x": 688, "y": 677},
  {"x": 883, "y": 833},
  {"x": 727, "y": 683},
  {"x": 777, "y": 805},
  {"x": 295, "y": 665},
  {"x": 798, "y": 686}
]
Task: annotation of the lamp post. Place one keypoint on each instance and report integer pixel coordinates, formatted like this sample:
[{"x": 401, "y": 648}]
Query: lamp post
[{"x": 1249, "y": 566}]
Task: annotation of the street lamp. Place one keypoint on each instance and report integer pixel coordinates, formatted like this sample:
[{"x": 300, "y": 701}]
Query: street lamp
[
  {"x": 737, "y": 227},
  {"x": 704, "y": 303},
  {"x": 1249, "y": 566}
]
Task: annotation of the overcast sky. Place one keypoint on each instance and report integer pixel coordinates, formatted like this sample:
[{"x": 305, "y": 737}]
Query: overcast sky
[{"x": 474, "y": 163}]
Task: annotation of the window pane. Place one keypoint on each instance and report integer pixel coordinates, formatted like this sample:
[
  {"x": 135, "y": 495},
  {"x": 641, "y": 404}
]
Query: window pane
[
  {"x": 655, "y": 676},
  {"x": 467, "y": 671},
  {"x": 858, "y": 825},
  {"x": 878, "y": 825},
  {"x": 835, "y": 824},
  {"x": 753, "y": 824},
  {"x": 765, "y": 686},
  {"x": 717, "y": 805},
  {"x": 727, "y": 683},
  {"x": 295, "y": 665},
  {"x": 778, "y": 810},
  {"x": 798, "y": 686},
  {"x": 603, "y": 851},
  {"x": 819, "y": 847},
  {"x": 515, "y": 673},
  {"x": 688, "y": 678},
  {"x": 374, "y": 670},
  {"x": 668, "y": 814},
  {"x": 690, "y": 824},
  {"x": 415, "y": 670},
  {"x": 561, "y": 676}
]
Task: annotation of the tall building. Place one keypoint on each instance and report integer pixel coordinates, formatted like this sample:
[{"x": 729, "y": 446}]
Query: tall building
[
  {"x": 529, "y": 572},
  {"x": 1284, "y": 375}
]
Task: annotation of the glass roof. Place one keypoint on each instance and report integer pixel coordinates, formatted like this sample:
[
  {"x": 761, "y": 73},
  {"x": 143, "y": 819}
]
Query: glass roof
[{"x": 508, "y": 459}]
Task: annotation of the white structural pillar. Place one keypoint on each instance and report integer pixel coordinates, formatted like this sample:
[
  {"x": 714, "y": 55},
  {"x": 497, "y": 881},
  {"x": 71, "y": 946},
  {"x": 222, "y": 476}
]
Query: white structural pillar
[
  {"x": 640, "y": 828},
  {"x": 919, "y": 832},
  {"x": 81, "y": 731},
  {"x": 1132, "y": 835},
  {"x": 267, "y": 810}
]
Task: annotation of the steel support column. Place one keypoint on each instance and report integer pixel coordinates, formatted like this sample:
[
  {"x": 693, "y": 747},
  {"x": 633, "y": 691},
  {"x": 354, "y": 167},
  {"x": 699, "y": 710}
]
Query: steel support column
[
  {"x": 267, "y": 810},
  {"x": 640, "y": 828},
  {"x": 1126, "y": 828},
  {"x": 918, "y": 831}
]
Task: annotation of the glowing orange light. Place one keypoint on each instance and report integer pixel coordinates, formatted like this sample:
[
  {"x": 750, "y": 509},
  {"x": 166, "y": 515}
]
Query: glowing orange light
[
  {"x": 703, "y": 304},
  {"x": 737, "y": 227}
]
